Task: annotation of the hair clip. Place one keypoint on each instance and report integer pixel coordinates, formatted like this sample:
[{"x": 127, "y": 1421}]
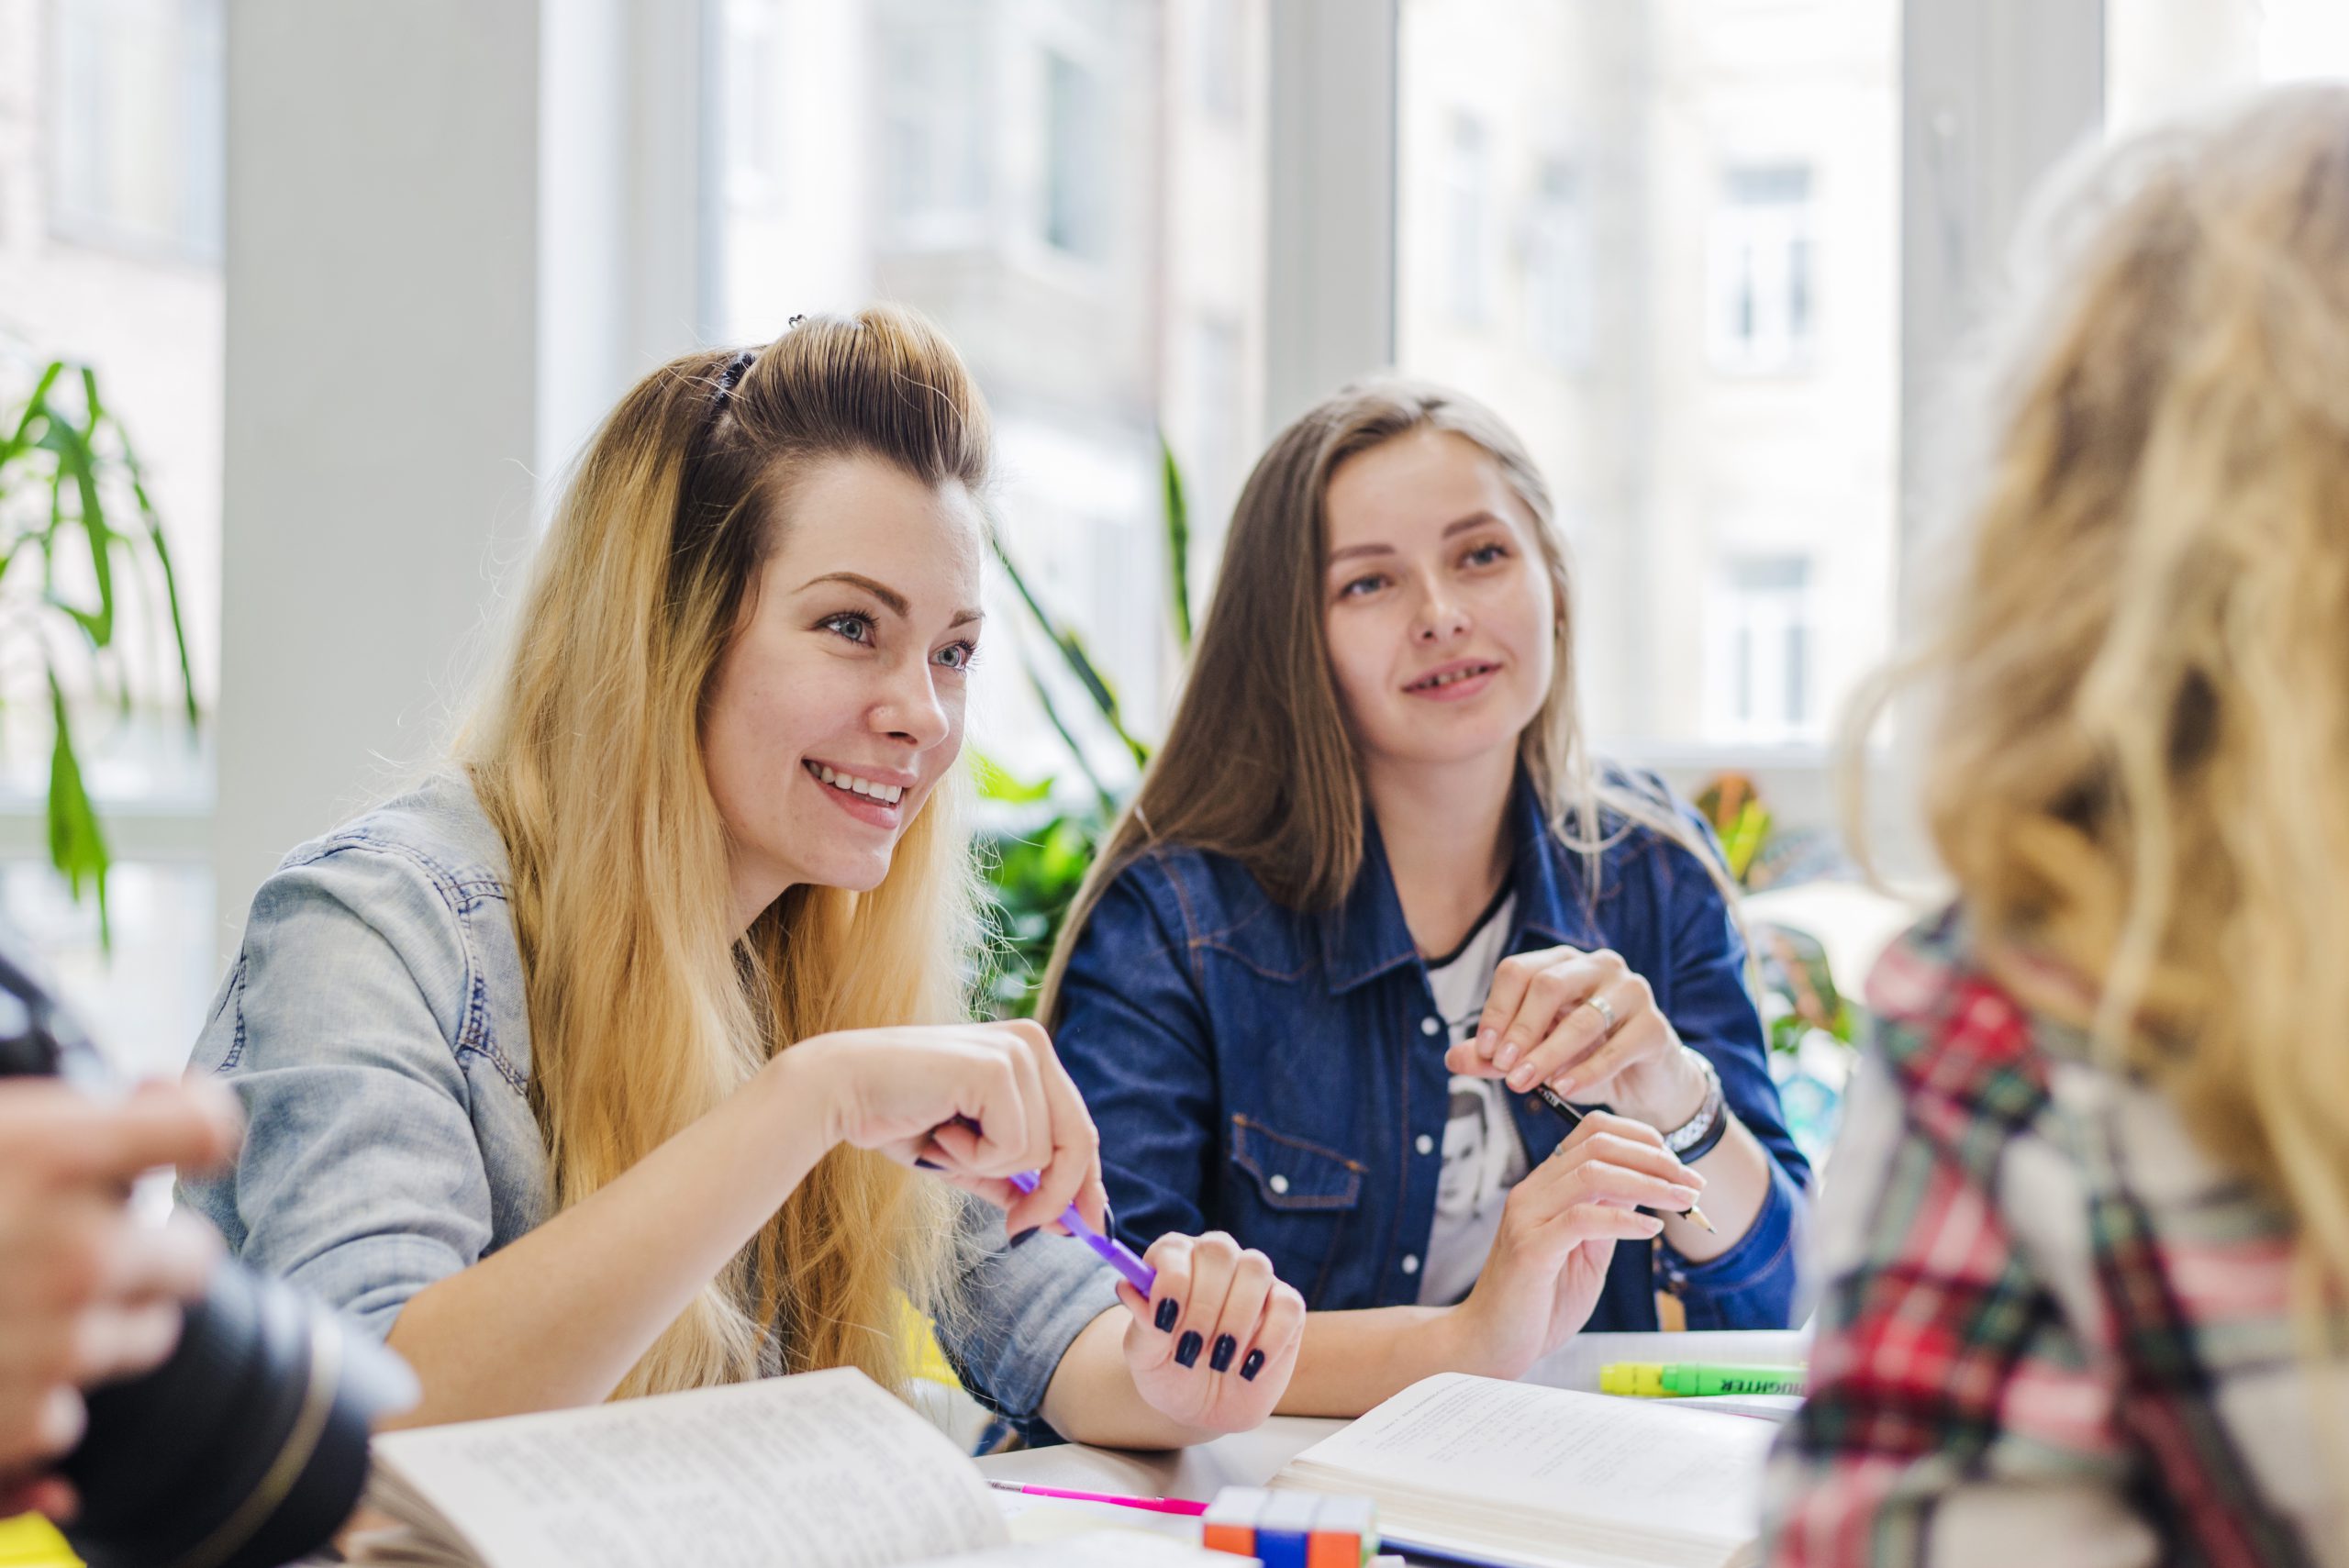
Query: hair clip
[{"x": 795, "y": 322}]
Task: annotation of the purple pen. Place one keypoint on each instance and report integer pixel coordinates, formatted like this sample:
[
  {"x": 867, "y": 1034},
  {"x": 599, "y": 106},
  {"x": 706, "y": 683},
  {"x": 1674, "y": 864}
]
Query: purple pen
[{"x": 1120, "y": 1256}]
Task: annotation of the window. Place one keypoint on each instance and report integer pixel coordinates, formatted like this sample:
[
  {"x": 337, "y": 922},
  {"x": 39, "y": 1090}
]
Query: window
[
  {"x": 1762, "y": 629},
  {"x": 1217, "y": 41},
  {"x": 1761, "y": 269},
  {"x": 1073, "y": 196},
  {"x": 111, "y": 160},
  {"x": 1689, "y": 188},
  {"x": 1558, "y": 267},
  {"x": 136, "y": 126},
  {"x": 1079, "y": 203},
  {"x": 752, "y": 133},
  {"x": 1467, "y": 217},
  {"x": 931, "y": 171},
  {"x": 2177, "y": 54}
]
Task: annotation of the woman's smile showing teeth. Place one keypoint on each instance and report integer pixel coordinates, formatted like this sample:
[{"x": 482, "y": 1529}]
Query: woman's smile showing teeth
[
  {"x": 865, "y": 797},
  {"x": 1456, "y": 682}
]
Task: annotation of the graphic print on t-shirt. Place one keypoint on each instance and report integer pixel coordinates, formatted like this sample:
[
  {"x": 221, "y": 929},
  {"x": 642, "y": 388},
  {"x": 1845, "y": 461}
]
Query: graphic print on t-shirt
[{"x": 1483, "y": 1155}]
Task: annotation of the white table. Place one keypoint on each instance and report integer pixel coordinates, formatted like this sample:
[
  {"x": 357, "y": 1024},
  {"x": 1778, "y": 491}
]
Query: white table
[{"x": 1252, "y": 1459}]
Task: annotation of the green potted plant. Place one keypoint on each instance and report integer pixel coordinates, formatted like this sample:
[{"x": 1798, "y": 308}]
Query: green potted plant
[
  {"x": 1039, "y": 848},
  {"x": 82, "y": 549}
]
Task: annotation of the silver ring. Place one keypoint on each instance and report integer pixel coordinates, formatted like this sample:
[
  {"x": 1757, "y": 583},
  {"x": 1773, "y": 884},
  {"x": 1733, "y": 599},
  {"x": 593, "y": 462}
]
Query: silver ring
[{"x": 1599, "y": 1004}]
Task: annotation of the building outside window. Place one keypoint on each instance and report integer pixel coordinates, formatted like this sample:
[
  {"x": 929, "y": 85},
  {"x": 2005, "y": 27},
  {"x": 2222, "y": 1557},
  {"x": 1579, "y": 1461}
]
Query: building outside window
[
  {"x": 135, "y": 126},
  {"x": 1762, "y": 630},
  {"x": 1559, "y": 267},
  {"x": 1073, "y": 198},
  {"x": 1762, "y": 283},
  {"x": 1693, "y": 184},
  {"x": 112, "y": 147},
  {"x": 1468, "y": 217},
  {"x": 1075, "y": 192}
]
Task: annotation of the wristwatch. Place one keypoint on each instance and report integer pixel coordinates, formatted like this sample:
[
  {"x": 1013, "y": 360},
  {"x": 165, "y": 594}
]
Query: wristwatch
[{"x": 1701, "y": 1131}]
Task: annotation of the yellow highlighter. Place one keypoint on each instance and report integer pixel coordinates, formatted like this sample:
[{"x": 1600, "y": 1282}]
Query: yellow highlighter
[{"x": 1674, "y": 1380}]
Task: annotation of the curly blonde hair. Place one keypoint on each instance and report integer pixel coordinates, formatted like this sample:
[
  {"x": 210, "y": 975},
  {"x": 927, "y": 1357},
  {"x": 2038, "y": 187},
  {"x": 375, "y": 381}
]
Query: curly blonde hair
[{"x": 2137, "y": 757}]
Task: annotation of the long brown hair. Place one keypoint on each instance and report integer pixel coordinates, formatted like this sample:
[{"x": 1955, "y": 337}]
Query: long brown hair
[
  {"x": 2139, "y": 683},
  {"x": 646, "y": 1009},
  {"x": 1259, "y": 763}
]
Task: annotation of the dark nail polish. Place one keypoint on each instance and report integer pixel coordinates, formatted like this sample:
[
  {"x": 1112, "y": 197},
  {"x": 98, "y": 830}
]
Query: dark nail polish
[
  {"x": 1226, "y": 1347},
  {"x": 1109, "y": 1218},
  {"x": 1253, "y": 1365},
  {"x": 1168, "y": 1310},
  {"x": 1186, "y": 1351},
  {"x": 1022, "y": 1238}
]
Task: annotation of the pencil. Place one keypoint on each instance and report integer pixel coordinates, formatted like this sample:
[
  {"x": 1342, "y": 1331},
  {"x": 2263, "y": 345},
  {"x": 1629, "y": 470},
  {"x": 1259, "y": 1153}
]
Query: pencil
[{"x": 1564, "y": 1111}]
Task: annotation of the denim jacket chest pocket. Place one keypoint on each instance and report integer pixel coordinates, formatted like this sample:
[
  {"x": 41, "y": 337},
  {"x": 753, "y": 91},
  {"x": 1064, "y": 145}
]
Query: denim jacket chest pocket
[{"x": 1293, "y": 1199}]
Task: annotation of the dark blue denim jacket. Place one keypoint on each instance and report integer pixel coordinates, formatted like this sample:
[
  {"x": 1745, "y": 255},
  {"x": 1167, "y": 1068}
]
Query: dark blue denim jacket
[{"x": 1280, "y": 1075}]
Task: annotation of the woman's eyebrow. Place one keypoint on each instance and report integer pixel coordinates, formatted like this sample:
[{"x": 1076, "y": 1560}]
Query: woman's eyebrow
[
  {"x": 896, "y": 603},
  {"x": 1457, "y": 526}
]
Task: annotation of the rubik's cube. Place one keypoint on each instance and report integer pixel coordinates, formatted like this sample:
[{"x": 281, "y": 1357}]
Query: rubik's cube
[{"x": 1291, "y": 1530}]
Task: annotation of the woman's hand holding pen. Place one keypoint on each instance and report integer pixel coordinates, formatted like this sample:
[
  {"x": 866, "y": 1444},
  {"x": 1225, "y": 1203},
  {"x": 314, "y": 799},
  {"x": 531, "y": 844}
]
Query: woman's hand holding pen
[
  {"x": 1588, "y": 1025},
  {"x": 974, "y": 1102},
  {"x": 1213, "y": 1345},
  {"x": 1558, "y": 1232}
]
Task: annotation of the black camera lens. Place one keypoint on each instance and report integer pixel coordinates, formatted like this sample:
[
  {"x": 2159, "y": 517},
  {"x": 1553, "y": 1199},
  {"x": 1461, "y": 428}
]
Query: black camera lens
[{"x": 246, "y": 1449}]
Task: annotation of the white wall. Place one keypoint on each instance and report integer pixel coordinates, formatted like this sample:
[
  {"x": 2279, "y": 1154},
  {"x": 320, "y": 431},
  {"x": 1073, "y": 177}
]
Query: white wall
[
  {"x": 382, "y": 353},
  {"x": 456, "y": 233}
]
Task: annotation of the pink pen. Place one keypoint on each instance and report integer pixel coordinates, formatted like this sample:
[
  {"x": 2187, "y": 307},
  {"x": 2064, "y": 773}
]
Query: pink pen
[
  {"x": 1120, "y": 1256},
  {"x": 1150, "y": 1504}
]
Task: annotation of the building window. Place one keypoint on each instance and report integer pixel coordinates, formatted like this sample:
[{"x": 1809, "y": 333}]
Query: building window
[
  {"x": 1468, "y": 199},
  {"x": 1558, "y": 281},
  {"x": 1215, "y": 42},
  {"x": 932, "y": 169},
  {"x": 1762, "y": 292},
  {"x": 1074, "y": 197},
  {"x": 750, "y": 128},
  {"x": 1762, "y": 683},
  {"x": 137, "y": 126}
]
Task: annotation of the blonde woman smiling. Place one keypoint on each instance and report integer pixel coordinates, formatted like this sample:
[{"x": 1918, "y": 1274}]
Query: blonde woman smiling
[
  {"x": 1374, "y": 891},
  {"x": 598, "y": 1063}
]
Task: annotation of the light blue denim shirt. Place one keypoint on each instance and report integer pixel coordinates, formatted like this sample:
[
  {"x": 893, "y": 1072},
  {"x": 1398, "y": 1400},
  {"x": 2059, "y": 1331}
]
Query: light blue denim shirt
[{"x": 376, "y": 1026}]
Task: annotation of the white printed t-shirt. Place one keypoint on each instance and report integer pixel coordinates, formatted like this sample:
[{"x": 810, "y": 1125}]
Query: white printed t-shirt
[{"x": 1483, "y": 1155}]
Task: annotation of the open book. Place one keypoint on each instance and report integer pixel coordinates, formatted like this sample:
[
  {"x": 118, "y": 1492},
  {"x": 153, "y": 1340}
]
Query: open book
[
  {"x": 1548, "y": 1478},
  {"x": 819, "y": 1471}
]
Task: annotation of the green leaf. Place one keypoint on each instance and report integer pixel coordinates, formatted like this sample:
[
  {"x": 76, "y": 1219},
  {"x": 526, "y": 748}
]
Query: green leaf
[
  {"x": 997, "y": 782},
  {"x": 81, "y": 456},
  {"x": 1178, "y": 542},
  {"x": 77, "y": 845},
  {"x": 1073, "y": 654},
  {"x": 1084, "y": 765},
  {"x": 153, "y": 522}
]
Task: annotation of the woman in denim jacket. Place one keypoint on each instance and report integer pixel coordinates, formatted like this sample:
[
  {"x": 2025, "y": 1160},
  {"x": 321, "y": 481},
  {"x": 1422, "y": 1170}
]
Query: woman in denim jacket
[
  {"x": 596, "y": 1064},
  {"x": 1372, "y": 894}
]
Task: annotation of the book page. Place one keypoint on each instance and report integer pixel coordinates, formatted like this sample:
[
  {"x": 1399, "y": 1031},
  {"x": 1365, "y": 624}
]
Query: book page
[
  {"x": 820, "y": 1471},
  {"x": 1515, "y": 1447},
  {"x": 1123, "y": 1548}
]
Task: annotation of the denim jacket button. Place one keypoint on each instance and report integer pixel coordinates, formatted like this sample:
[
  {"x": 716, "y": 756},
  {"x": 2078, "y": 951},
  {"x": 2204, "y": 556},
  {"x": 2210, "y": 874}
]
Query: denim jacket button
[
  {"x": 1279, "y": 1184},
  {"x": 1430, "y": 1025},
  {"x": 1424, "y": 1144},
  {"x": 1410, "y": 1262}
]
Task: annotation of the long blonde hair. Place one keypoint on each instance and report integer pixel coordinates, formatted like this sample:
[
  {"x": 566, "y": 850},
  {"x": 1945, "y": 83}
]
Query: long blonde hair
[
  {"x": 2140, "y": 681},
  {"x": 646, "y": 1009},
  {"x": 1259, "y": 763}
]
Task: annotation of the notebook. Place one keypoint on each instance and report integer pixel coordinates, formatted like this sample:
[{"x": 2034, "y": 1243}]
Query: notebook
[
  {"x": 1535, "y": 1477},
  {"x": 820, "y": 1471}
]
